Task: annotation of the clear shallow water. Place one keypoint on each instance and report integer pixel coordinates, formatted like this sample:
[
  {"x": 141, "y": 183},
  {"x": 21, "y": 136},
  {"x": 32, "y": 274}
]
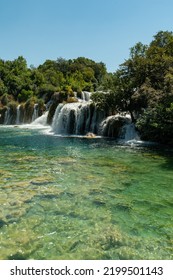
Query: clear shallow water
[{"x": 72, "y": 198}]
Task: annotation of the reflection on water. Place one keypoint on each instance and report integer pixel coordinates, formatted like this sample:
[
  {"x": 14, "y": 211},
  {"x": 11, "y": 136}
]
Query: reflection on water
[{"x": 72, "y": 198}]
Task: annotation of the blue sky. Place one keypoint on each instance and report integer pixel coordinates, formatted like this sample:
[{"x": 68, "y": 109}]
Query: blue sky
[{"x": 102, "y": 30}]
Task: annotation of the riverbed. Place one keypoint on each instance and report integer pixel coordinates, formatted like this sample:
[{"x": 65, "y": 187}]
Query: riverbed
[{"x": 83, "y": 198}]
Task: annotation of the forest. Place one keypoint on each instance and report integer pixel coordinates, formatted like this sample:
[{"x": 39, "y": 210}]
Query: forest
[{"x": 142, "y": 86}]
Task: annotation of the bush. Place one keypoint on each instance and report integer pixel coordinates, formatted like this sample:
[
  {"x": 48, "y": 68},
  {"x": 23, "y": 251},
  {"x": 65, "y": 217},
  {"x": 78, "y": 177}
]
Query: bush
[
  {"x": 29, "y": 109},
  {"x": 13, "y": 111},
  {"x": 41, "y": 107},
  {"x": 25, "y": 95},
  {"x": 5, "y": 99}
]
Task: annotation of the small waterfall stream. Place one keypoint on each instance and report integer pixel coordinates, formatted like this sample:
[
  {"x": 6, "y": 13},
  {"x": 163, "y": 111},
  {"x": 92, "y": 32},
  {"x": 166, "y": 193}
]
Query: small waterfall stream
[
  {"x": 129, "y": 132},
  {"x": 42, "y": 120},
  {"x": 18, "y": 114},
  {"x": 7, "y": 117},
  {"x": 85, "y": 95},
  {"x": 35, "y": 113}
]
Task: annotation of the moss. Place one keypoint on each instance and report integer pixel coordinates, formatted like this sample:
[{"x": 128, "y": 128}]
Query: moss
[
  {"x": 41, "y": 107},
  {"x": 29, "y": 109},
  {"x": 13, "y": 111}
]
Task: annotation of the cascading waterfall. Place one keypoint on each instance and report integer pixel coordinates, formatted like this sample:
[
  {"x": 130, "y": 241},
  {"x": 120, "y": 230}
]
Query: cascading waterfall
[
  {"x": 76, "y": 119},
  {"x": 18, "y": 115},
  {"x": 129, "y": 133},
  {"x": 85, "y": 95},
  {"x": 112, "y": 125},
  {"x": 83, "y": 117},
  {"x": 119, "y": 126},
  {"x": 42, "y": 120},
  {"x": 79, "y": 118},
  {"x": 7, "y": 117},
  {"x": 35, "y": 112}
]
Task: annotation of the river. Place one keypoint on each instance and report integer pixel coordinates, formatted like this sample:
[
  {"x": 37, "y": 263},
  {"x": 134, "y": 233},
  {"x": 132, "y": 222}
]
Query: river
[{"x": 80, "y": 198}]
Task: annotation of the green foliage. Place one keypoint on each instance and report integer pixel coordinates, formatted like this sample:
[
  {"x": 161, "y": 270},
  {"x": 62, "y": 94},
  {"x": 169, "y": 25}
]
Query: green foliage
[
  {"x": 13, "y": 111},
  {"x": 29, "y": 108},
  {"x": 25, "y": 95},
  {"x": 100, "y": 99},
  {"x": 45, "y": 91},
  {"x": 4, "y": 99},
  {"x": 3, "y": 88},
  {"x": 143, "y": 86},
  {"x": 13, "y": 106},
  {"x": 81, "y": 73},
  {"x": 41, "y": 106},
  {"x": 65, "y": 76}
]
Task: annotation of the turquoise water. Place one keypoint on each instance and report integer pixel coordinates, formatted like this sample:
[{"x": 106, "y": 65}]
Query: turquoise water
[{"x": 76, "y": 198}]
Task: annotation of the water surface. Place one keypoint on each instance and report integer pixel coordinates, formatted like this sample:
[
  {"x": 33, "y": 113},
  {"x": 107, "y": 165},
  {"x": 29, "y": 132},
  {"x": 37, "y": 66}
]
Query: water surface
[{"x": 76, "y": 198}]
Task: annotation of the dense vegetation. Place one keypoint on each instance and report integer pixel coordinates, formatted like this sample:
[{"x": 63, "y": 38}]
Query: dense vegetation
[
  {"x": 143, "y": 85},
  {"x": 19, "y": 83},
  {"x": 57, "y": 81}
]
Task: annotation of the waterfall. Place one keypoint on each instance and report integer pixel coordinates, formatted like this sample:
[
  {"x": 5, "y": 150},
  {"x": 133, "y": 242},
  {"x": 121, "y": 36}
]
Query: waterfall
[
  {"x": 76, "y": 118},
  {"x": 119, "y": 126},
  {"x": 7, "y": 117},
  {"x": 129, "y": 132},
  {"x": 85, "y": 95},
  {"x": 80, "y": 118},
  {"x": 42, "y": 120},
  {"x": 111, "y": 126},
  {"x": 55, "y": 121},
  {"x": 18, "y": 115},
  {"x": 35, "y": 112}
]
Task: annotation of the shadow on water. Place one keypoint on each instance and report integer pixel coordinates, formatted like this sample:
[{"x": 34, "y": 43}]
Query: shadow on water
[
  {"x": 169, "y": 163},
  {"x": 167, "y": 154},
  {"x": 157, "y": 151}
]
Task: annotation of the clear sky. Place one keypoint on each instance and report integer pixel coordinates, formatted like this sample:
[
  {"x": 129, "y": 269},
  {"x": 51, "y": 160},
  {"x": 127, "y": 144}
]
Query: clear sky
[{"x": 102, "y": 30}]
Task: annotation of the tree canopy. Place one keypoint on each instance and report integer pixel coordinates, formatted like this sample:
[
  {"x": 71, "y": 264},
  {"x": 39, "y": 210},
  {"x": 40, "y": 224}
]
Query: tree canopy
[
  {"x": 143, "y": 86},
  {"x": 20, "y": 82}
]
